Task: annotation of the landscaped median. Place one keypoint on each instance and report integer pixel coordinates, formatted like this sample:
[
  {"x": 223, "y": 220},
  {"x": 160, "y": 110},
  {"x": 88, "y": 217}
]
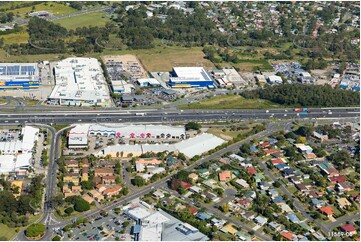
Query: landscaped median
[{"x": 35, "y": 231}]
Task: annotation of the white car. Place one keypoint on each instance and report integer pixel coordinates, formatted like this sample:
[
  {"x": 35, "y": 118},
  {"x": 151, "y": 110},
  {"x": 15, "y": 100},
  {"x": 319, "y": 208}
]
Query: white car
[{"x": 267, "y": 111}]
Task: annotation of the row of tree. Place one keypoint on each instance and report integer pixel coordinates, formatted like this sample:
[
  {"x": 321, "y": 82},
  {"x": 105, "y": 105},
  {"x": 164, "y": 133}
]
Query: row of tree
[{"x": 305, "y": 95}]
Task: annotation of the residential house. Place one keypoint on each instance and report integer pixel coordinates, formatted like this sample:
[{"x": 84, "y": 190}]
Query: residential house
[
  {"x": 319, "y": 136},
  {"x": 76, "y": 189},
  {"x": 96, "y": 195},
  {"x": 237, "y": 158},
  {"x": 272, "y": 192},
  {"x": 344, "y": 187},
  {"x": 101, "y": 188},
  {"x": 85, "y": 163},
  {"x": 243, "y": 237},
  {"x": 112, "y": 191},
  {"x": 218, "y": 223},
  {"x": 170, "y": 160},
  {"x": 211, "y": 196},
  {"x": 288, "y": 172},
  {"x": 285, "y": 208},
  {"x": 304, "y": 149},
  {"x": 225, "y": 176},
  {"x": 193, "y": 176},
  {"x": 264, "y": 185},
  {"x": 303, "y": 187},
  {"x": 212, "y": 184},
  {"x": 71, "y": 177},
  {"x": 100, "y": 172},
  {"x": 250, "y": 215},
  {"x": 203, "y": 216},
  {"x": 250, "y": 194},
  {"x": 109, "y": 179},
  {"x": 328, "y": 211},
  {"x": 343, "y": 202},
  {"x": 349, "y": 228},
  {"x": 277, "y": 161},
  {"x": 229, "y": 229},
  {"x": 278, "y": 200},
  {"x": 259, "y": 177},
  {"x": 260, "y": 220},
  {"x": 337, "y": 179},
  {"x": 245, "y": 203},
  {"x": 71, "y": 164},
  {"x": 84, "y": 175},
  {"x": 275, "y": 226},
  {"x": 242, "y": 183},
  {"x": 87, "y": 198},
  {"x": 251, "y": 171},
  {"x": 196, "y": 189},
  {"x": 293, "y": 218},
  {"x": 158, "y": 194},
  {"x": 288, "y": 235},
  {"x": 192, "y": 210},
  {"x": 318, "y": 203},
  {"x": 281, "y": 167},
  {"x": 295, "y": 179},
  {"x": 204, "y": 172}
]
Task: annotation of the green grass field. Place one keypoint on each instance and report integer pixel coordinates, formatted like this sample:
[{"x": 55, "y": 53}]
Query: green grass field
[
  {"x": 7, "y": 232},
  {"x": 230, "y": 102},
  {"x": 84, "y": 20},
  {"x": 52, "y": 7},
  {"x": 16, "y": 38}
]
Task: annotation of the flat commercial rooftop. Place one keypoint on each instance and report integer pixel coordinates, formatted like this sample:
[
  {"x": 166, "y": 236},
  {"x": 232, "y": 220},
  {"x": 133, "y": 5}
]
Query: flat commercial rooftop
[
  {"x": 80, "y": 79},
  {"x": 191, "y": 73}
]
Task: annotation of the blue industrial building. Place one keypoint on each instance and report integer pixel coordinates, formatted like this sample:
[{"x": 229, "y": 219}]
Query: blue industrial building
[
  {"x": 25, "y": 76},
  {"x": 185, "y": 77}
]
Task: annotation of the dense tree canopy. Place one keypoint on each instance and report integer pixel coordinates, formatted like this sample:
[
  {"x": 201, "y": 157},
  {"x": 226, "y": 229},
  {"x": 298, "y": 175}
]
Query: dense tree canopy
[
  {"x": 305, "y": 95},
  {"x": 35, "y": 230}
]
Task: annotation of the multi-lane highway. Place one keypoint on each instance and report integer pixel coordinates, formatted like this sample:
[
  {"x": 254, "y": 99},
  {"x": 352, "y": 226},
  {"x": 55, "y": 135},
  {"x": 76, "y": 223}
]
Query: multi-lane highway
[{"x": 165, "y": 116}]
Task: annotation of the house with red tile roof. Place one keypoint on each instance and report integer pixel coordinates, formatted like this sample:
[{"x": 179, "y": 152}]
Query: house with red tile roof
[
  {"x": 251, "y": 170},
  {"x": 225, "y": 176},
  {"x": 277, "y": 161},
  {"x": 349, "y": 228},
  {"x": 327, "y": 210},
  {"x": 265, "y": 144},
  {"x": 192, "y": 210},
  {"x": 287, "y": 235},
  {"x": 337, "y": 179},
  {"x": 112, "y": 191}
]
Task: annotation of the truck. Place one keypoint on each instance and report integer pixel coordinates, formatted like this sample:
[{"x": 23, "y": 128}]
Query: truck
[
  {"x": 139, "y": 114},
  {"x": 303, "y": 114},
  {"x": 298, "y": 110}
]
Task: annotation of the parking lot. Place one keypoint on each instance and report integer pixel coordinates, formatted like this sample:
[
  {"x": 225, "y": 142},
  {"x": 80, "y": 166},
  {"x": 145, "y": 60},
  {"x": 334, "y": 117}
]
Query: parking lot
[
  {"x": 107, "y": 227},
  {"x": 9, "y": 135}
]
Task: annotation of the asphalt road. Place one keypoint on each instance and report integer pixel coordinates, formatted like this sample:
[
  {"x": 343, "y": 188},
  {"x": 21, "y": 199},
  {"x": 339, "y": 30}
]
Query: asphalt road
[{"x": 70, "y": 117}]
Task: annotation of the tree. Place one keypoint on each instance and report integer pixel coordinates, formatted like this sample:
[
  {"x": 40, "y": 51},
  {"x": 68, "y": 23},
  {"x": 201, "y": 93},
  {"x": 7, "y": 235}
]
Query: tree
[
  {"x": 301, "y": 139},
  {"x": 35, "y": 230},
  {"x": 126, "y": 223},
  {"x": 138, "y": 181},
  {"x": 69, "y": 210},
  {"x": 80, "y": 205},
  {"x": 224, "y": 207},
  {"x": 193, "y": 125},
  {"x": 56, "y": 238}
]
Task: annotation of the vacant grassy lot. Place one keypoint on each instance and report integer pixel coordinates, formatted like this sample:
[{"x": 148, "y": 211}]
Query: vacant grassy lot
[
  {"x": 9, "y": 233},
  {"x": 16, "y": 38},
  {"x": 230, "y": 102},
  {"x": 228, "y": 134},
  {"x": 83, "y": 20},
  {"x": 52, "y": 7},
  {"x": 164, "y": 58}
]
